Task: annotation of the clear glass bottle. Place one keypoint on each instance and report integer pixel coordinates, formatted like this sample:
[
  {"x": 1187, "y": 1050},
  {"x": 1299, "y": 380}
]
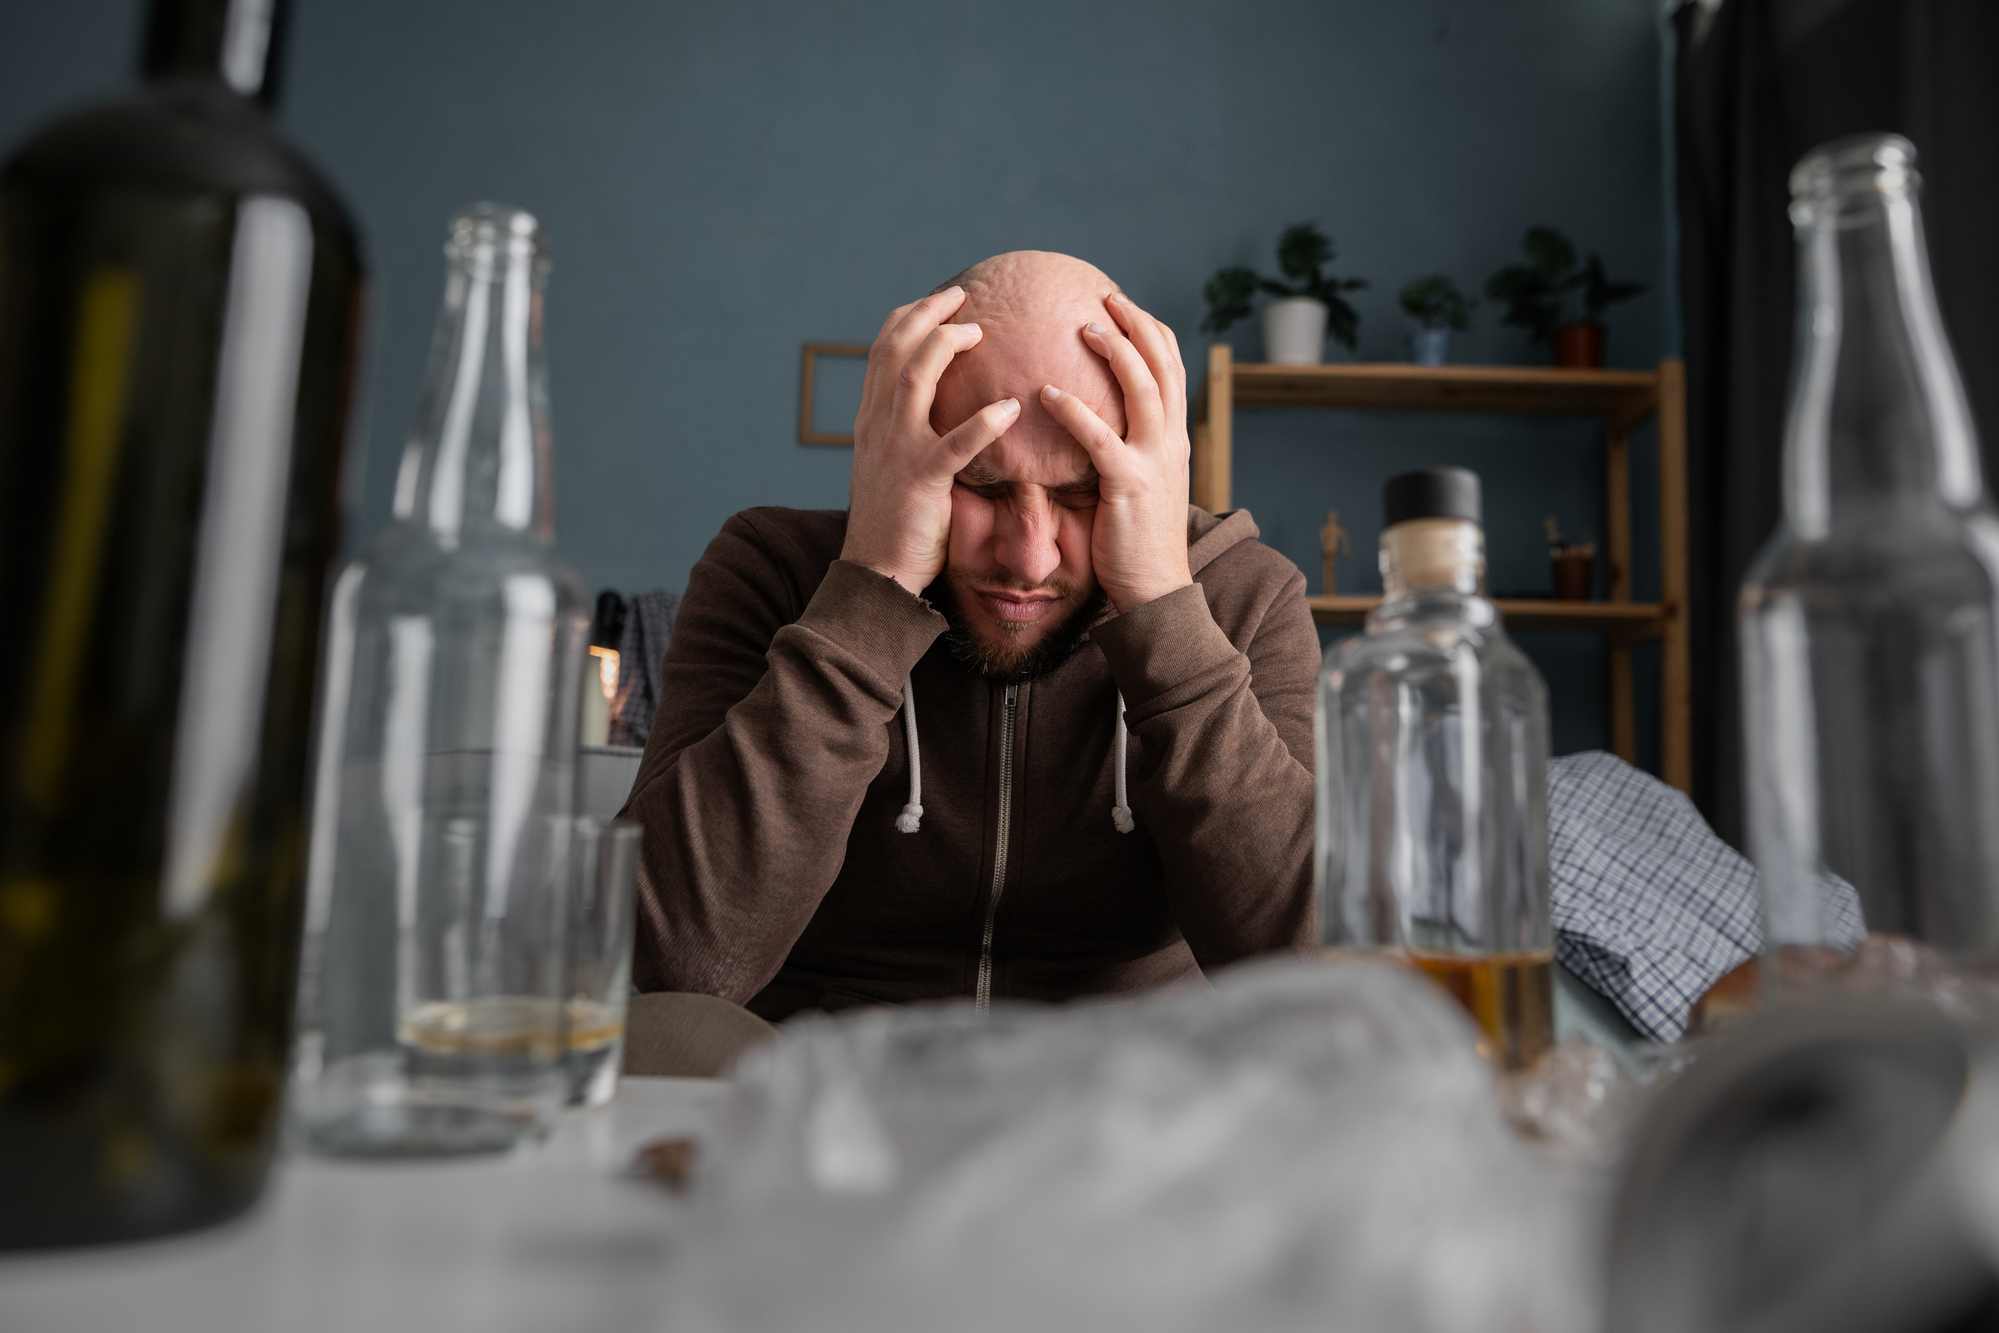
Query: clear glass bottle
[
  {"x": 1867, "y": 624},
  {"x": 179, "y": 307},
  {"x": 1432, "y": 763},
  {"x": 430, "y": 1015}
]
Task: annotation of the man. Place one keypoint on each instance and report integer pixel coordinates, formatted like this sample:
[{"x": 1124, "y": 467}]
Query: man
[{"x": 891, "y": 759}]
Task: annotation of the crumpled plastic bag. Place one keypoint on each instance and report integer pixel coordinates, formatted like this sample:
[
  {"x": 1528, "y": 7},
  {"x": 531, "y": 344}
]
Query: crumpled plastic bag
[{"x": 1306, "y": 1145}]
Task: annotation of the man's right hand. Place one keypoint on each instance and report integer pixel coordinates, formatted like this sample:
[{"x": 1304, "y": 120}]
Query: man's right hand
[{"x": 899, "y": 500}]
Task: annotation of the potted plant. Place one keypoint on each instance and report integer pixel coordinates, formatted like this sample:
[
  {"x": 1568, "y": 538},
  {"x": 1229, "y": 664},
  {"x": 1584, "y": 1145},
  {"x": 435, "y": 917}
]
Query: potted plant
[
  {"x": 1309, "y": 307},
  {"x": 1558, "y": 301},
  {"x": 1438, "y": 308}
]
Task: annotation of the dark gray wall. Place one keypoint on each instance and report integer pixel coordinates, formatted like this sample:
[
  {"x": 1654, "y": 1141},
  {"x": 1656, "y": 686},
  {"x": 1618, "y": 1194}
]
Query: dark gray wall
[{"x": 726, "y": 182}]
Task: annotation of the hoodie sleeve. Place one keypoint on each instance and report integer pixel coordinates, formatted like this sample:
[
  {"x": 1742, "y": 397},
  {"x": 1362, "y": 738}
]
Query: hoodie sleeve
[
  {"x": 1224, "y": 722},
  {"x": 770, "y": 727}
]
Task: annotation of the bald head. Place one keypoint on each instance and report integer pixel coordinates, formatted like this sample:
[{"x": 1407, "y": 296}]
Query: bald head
[{"x": 1032, "y": 306}]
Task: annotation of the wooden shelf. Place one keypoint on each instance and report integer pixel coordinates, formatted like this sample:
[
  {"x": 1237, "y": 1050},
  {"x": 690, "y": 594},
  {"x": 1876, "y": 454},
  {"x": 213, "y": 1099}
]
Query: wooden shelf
[
  {"x": 1631, "y": 620},
  {"x": 1623, "y": 397},
  {"x": 1620, "y": 399}
]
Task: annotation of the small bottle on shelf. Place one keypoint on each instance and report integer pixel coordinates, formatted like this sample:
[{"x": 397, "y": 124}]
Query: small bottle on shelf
[{"x": 1432, "y": 776}]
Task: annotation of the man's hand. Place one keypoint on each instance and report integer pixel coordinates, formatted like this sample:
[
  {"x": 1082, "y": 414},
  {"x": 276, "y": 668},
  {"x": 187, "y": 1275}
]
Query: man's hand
[
  {"x": 1139, "y": 542},
  {"x": 899, "y": 499}
]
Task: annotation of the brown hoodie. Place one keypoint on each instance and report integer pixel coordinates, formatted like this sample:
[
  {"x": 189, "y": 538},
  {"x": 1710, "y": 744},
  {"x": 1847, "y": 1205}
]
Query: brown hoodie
[{"x": 774, "y": 872}]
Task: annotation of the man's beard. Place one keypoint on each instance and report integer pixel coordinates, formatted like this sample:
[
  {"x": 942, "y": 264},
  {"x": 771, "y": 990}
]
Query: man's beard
[{"x": 1006, "y": 662}]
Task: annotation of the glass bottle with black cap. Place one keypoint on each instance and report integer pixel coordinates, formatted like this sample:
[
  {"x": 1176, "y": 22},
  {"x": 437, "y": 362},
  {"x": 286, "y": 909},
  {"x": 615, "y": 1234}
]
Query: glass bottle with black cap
[
  {"x": 1432, "y": 763},
  {"x": 179, "y": 298}
]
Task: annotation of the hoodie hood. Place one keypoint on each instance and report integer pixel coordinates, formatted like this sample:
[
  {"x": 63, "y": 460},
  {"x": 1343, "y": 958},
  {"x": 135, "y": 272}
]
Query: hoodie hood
[{"x": 1208, "y": 535}]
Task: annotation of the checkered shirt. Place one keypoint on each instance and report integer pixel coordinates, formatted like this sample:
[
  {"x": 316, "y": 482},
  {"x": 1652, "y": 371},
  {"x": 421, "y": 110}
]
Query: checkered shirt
[{"x": 1650, "y": 907}]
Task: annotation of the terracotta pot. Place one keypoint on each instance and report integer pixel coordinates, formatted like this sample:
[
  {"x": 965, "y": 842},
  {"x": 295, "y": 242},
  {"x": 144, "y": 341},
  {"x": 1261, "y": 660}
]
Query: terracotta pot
[
  {"x": 1579, "y": 346},
  {"x": 1573, "y": 577}
]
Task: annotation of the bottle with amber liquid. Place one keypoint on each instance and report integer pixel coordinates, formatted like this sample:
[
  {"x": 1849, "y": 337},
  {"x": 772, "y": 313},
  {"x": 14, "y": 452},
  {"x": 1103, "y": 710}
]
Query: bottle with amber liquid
[
  {"x": 179, "y": 299},
  {"x": 1432, "y": 776}
]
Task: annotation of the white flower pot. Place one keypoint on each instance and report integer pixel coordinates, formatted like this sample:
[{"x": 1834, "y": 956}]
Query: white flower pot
[{"x": 1294, "y": 331}]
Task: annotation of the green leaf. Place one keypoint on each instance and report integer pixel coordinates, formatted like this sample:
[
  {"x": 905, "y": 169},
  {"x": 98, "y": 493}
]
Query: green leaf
[
  {"x": 1600, "y": 291},
  {"x": 1302, "y": 251},
  {"x": 1228, "y": 294},
  {"x": 1435, "y": 302},
  {"x": 1549, "y": 251},
  {"x": 1342, "y": 322}
]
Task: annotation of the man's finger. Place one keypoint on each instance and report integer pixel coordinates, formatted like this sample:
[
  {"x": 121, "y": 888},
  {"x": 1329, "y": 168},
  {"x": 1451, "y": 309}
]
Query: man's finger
[
  {"x": 1155, "y": 342},
  {"x": 984, "y": 426},
  {"x": 868, "y": 381},
  {"x": 1098, "y": 440},
  {"x": 916, "y": 383},
  {"x": 921, "y": 317},
  {"x": 1144, "y": 412},
  {"x": 894, "y": 318},
  {"x": 905, "y": 330}
]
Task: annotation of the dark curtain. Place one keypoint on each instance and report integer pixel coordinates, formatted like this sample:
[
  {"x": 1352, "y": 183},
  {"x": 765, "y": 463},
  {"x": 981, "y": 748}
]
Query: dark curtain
[{"x": 1760, "y": 82}]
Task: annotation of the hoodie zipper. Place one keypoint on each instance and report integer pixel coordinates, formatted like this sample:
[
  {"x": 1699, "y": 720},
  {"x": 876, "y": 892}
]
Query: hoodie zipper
[{"x": 983, "y": 997}]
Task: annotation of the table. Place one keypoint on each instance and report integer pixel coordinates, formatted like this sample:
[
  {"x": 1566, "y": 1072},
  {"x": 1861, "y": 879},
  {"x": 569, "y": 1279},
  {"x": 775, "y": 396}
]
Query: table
[{"x": 558, "y": 1237}]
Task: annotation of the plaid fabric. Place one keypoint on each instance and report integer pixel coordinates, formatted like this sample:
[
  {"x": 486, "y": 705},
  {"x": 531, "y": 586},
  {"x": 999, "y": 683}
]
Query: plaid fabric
[
  {"x": 641, "y": 649},
  {"x": 1650, "y": 907}
]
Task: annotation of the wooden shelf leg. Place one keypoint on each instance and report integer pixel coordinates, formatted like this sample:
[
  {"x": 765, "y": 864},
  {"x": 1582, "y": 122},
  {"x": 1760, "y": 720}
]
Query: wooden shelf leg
[
  {"x": 1198, "y": 459},
  {"x": 1210, "y": 463},
  {"x": 1675, "y": 664},
  {"x": 1617, "y": 512},
  {"x": 1623, "y": 702}
]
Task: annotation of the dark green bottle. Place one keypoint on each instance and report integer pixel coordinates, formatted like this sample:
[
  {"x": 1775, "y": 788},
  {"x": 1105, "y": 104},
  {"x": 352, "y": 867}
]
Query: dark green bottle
[{"x": 179, "y": 304}]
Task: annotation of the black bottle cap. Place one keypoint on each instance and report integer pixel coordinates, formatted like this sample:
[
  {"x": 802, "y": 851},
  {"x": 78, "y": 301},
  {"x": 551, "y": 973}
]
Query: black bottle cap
[{"x": 1431, "y": 492}]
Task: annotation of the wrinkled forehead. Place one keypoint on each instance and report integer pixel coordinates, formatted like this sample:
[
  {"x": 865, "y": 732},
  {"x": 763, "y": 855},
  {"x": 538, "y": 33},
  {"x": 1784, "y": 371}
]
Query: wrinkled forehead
[{"x": 1025, "y": 347}]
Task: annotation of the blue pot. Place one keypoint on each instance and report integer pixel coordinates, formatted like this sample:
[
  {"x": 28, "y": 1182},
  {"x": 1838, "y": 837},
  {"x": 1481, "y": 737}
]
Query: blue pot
[{"x": 1430, "y": 347}]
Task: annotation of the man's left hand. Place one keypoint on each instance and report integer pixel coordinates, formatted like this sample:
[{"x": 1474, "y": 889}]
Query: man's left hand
[{"x": 1139, "y": 543}]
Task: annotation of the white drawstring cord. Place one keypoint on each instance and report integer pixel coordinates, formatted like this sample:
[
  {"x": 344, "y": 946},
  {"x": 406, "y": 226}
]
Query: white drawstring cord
[
  {"x": 911, "y": 818},
  {"x": 1121, "y": 812}
]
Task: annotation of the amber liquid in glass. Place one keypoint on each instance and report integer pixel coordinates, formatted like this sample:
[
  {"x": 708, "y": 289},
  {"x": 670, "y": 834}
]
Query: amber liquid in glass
[{"x": 1512, "y": 996}]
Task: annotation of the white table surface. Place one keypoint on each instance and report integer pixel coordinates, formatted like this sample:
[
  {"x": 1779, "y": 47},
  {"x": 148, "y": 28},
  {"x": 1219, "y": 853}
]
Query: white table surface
[{"x": 557, "y": 1238}]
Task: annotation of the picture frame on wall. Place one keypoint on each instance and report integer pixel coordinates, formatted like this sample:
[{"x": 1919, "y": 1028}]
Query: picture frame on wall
[{"x": 808, "y": 433}]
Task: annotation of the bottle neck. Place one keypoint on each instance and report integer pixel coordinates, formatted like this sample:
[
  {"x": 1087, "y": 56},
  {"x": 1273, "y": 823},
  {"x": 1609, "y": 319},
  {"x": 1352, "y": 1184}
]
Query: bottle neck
[
  {"x": 1878, "y": 416},
  {"x": 1432, "y": 555},
  {"x": 231, "y": 42},
  {"x": 479, "y": 457}
]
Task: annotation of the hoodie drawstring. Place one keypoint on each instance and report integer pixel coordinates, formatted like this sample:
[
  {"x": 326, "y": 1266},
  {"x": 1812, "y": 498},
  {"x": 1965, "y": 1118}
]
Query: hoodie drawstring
[
  {"x": 1121, "y": 812},
  {"x": 911, "y": 818}
]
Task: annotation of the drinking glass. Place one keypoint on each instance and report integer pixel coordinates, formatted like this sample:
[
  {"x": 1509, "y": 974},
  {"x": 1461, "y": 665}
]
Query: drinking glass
[{"x": 604, "y": 857}]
